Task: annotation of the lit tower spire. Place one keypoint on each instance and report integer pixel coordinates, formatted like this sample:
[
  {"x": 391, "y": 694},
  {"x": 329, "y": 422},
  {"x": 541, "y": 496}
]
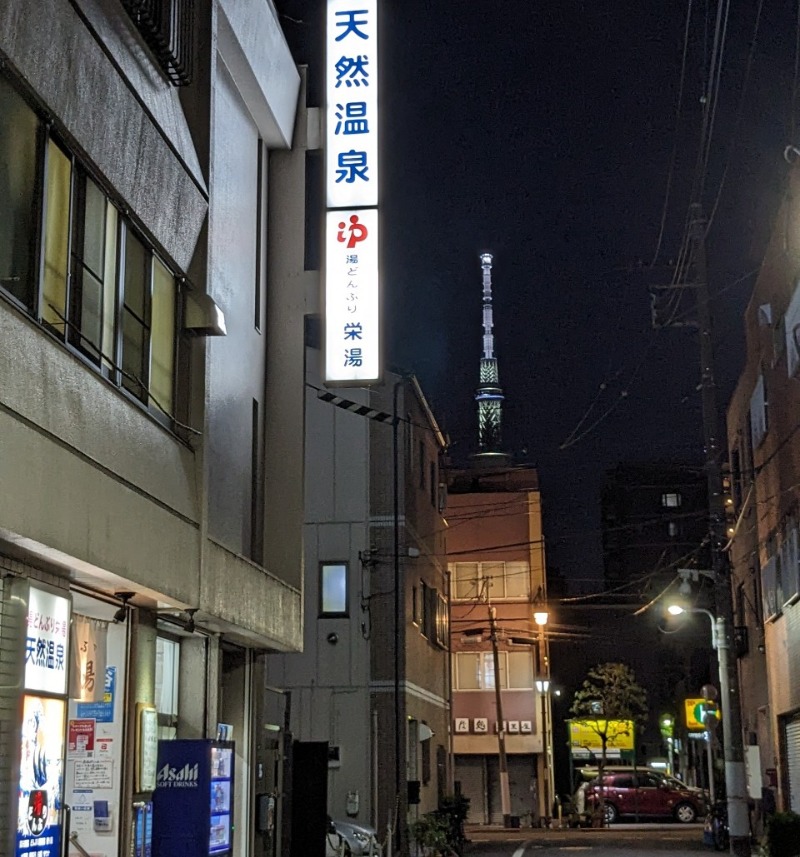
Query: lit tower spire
[{"x": 489, "y": 394}]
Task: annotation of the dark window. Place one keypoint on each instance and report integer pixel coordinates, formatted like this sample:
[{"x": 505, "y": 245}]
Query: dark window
[
  {"x": 93, "y": 268},
  {"x": 421, "y": 463},
  {"x": 425, "y": 606},
  {"x": 135, "y": 316},
  {"x": 425, "y": 747},
  {"x": 433, "y": 485},
  {"x": 415, "y": 605},
  {"x": 315, "y": 169},
  {"x": 256, "y": 489},
  {"x": 19, "y": 200},
  {"x": 260, "y": 198}
]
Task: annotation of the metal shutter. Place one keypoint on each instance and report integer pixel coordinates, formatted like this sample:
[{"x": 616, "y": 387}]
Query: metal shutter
[
  {"x": 470, "y": 772},
  {"x": 792, "y": 745}
]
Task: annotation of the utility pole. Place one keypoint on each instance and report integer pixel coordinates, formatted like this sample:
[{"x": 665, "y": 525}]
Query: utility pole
[
  {"x": 735, "y": 778},
  {"x": 505, "y": 791}
]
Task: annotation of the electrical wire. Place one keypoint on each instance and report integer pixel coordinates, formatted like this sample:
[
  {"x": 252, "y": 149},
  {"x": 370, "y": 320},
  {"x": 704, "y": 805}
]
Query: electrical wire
[{"x": 674, "y": 155}]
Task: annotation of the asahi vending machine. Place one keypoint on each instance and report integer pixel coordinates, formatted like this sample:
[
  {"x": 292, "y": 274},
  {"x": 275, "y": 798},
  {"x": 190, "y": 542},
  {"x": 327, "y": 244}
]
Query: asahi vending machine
[{"x": 193, "y": 800}]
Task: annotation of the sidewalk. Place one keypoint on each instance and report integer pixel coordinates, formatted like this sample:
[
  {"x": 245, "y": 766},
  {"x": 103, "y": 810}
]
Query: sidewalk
[{"x": 577, "y": 835}]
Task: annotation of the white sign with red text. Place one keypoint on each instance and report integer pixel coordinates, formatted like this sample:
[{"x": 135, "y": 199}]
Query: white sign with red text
[{"x": 352, "y": 299}]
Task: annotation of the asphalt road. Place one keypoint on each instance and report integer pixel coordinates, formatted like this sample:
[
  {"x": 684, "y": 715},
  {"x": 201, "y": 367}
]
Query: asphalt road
[{"x": 619, "y": 841}]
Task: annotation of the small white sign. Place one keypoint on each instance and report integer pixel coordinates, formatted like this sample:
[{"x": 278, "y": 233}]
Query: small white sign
[
  {"x": 94, "y": 774},
  {"x": 513, "y": 727},
  {"x": 352, "y": 296},
  {"x": 462, "y": 724},
  {"x": 480, "y": 724},
  {"x": 526, "y": 727}
]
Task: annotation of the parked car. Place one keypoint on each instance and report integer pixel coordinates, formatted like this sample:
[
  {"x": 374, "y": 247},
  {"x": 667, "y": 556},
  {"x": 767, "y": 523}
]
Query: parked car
[
  {"x": 646, "y": 794},
  {"x": 359, "y": 839}
]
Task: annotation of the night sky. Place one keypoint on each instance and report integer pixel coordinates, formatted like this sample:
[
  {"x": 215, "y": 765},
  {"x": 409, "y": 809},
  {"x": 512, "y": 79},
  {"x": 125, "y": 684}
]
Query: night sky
[{"x": 543, "y": 132}]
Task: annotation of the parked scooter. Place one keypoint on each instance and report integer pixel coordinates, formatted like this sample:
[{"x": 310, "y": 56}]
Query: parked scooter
[{"x": 715, "y": 830}]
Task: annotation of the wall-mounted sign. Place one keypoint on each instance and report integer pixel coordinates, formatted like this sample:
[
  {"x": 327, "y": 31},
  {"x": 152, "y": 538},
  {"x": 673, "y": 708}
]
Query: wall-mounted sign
[
  {"x": 351, "y": 59},
  {"x": 480, "y": 724},
  {"x": 585, "y": 735},
  {"x": 146, "y": 747},
  {"x": 40, "y": 777},
  {"x": 47, "y": 642},
  {"x": 462, "y": 724},
  {"x": 352, "y": 300},
  {"x": 526, "y": 727},
  {"x": 513, "y": 727}
]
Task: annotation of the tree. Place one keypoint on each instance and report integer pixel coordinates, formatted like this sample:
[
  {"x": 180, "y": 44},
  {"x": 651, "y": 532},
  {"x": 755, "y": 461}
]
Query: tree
[{"x": 610, "y": 703}]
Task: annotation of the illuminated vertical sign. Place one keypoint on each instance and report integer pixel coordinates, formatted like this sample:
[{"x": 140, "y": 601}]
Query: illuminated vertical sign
[
  {"x": 352, "y": 273},
  {"x": 351, "y": 307},
  {"x": 41, "y": 747}
]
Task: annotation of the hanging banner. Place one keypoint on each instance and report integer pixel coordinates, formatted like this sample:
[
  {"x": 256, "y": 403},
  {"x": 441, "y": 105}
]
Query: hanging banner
[{"x": 87, "y": 681}]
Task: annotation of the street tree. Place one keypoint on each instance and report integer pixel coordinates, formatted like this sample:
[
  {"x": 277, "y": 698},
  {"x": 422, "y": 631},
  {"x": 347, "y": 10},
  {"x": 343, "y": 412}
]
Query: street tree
[{"x": 610, "y": 703}]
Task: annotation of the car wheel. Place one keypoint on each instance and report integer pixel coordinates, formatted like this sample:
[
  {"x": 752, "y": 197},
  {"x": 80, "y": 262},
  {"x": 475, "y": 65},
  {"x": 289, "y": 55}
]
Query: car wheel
[
  {"x": 685, "y": 813},
  {"x": 611, "y": 813}
]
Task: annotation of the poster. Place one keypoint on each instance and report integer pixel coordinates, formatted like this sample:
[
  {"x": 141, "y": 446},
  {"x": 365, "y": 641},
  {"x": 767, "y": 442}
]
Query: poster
[
  {"x": 40, "y": 777},
  {"x": 80, "y": 738},
  {"x": 103, "y": 711}
]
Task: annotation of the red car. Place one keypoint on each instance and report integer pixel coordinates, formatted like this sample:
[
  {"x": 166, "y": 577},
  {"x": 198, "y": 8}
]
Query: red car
[{"x": 646, "y": 794}]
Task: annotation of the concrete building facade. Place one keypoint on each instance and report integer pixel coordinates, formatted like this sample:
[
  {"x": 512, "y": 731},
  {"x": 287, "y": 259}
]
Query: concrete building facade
[
  {"x": 151, "y": 469},
  {"x": 372, "y": 681}
]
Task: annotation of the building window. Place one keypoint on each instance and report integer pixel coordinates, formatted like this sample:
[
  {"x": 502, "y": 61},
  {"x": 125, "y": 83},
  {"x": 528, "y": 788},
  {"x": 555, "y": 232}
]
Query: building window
[
  {"x": 671, "y": 500},
  {"x": 333, "y": 589},
  {"x": 433, "y": 484},
  {"x": 502, "y": 580},
  {"x": 759, "y": 412},
  {"x": 19, "y": 200},
  {"x": 421, "y": 463},
  {"x": 415, "y": 605},
  {"x": 425, "y": 748},
  {"x": 98, "y": 285},
  {"x": 475, "y": 670},
  {"x": 168, "y": 652}
]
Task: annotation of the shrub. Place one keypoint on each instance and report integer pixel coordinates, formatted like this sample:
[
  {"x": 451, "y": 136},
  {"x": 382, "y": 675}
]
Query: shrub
[{"x": 783, "y": 835}]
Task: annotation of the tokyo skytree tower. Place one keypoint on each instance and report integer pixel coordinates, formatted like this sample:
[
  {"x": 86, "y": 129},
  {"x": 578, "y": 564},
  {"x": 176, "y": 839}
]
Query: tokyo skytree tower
[{"x": 489, "y": 394}]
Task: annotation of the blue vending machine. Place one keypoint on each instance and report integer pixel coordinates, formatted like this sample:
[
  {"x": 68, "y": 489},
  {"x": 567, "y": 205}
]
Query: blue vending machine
[{"x": 193, "y": 800}]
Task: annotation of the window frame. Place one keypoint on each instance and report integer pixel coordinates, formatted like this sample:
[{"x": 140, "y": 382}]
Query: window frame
[
  {"x": 70, "y": 332},
  {"x": 333, "y": 614},
  {"x": 511, "y": 568}
]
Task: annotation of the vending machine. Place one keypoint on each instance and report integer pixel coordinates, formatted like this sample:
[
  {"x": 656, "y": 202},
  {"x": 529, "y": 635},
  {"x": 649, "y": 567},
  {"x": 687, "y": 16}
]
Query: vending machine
[{"x": 193, "y": 800}]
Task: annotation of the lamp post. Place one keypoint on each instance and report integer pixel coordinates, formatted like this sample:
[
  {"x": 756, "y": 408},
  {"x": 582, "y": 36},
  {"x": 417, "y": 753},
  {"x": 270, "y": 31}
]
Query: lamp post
[
  {"x": 540, "y": 617},
  {"x": 737, "y": 805}
]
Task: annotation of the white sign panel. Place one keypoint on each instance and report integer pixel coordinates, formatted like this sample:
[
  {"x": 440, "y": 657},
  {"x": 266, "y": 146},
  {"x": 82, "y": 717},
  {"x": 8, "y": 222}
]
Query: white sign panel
[
  {"x": 47, "y": 642},
  {"x": 352, "y": 296},
  {"x": 352, "y": 103}
]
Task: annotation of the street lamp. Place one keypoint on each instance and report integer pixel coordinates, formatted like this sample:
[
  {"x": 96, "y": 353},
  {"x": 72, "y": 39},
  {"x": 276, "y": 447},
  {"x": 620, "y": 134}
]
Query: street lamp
[{"x": 738, "y": 816}]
